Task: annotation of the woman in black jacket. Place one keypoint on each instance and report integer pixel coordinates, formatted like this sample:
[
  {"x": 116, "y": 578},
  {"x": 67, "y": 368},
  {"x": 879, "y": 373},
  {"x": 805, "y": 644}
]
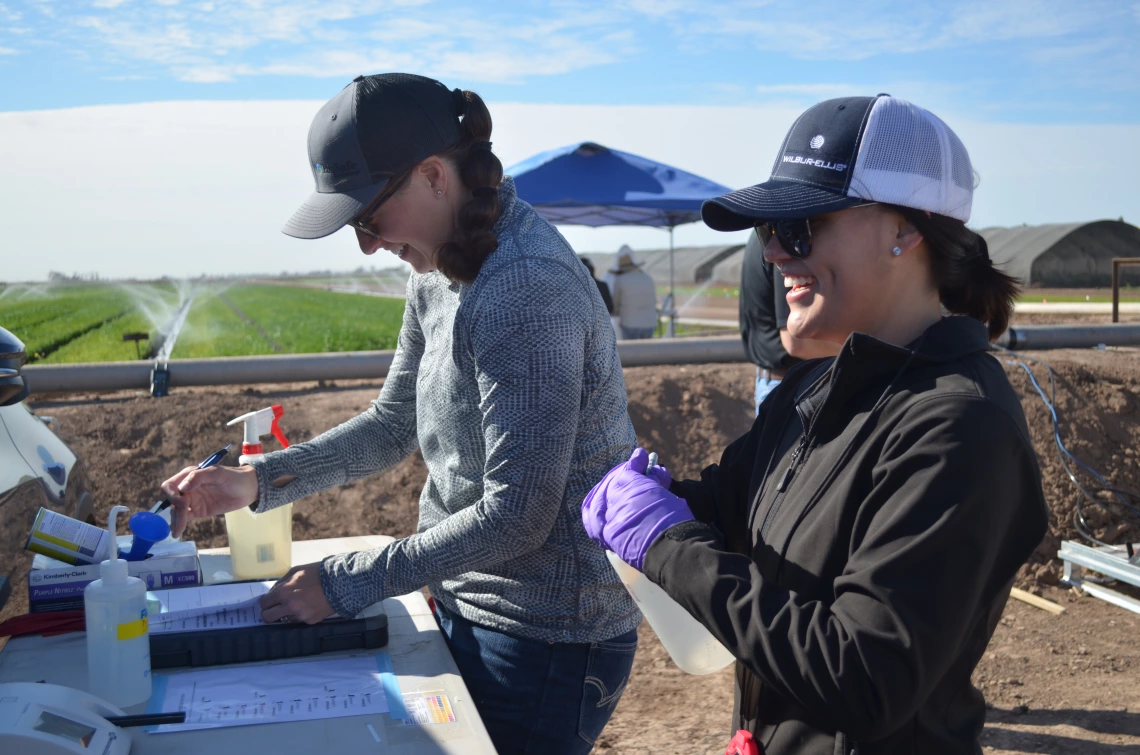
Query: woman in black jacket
[{"x": 855, "y": 549}]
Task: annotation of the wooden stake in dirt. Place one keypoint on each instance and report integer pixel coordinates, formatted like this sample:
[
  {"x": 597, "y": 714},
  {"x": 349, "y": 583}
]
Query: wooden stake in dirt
[{"x": 1033, "y": 600}]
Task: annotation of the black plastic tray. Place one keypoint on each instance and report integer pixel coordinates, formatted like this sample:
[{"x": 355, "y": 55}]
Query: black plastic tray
[{"x": 269, "y": 642}]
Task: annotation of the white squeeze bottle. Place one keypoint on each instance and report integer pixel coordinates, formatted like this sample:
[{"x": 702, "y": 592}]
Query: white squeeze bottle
[
  {"x": 118, "y": 636},
  {"x": 261, "y": 545},
  {"x": 689, "y": 644}
]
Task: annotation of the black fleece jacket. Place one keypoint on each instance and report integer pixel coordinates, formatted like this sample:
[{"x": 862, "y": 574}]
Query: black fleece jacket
[{"x": 855, "y": 549}]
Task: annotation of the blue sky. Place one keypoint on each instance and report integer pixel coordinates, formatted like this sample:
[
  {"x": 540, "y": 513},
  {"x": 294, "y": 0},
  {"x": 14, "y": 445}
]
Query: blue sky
[
  {"x": 173, "y": 132},
  {"x": 1030, "y": 61}
]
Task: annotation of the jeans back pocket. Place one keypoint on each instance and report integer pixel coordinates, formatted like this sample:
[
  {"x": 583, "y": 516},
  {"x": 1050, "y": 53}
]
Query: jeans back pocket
[{"x": 607, "y": 674}]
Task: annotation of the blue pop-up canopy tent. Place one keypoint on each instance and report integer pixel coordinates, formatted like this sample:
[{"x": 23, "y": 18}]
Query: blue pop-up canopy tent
[{"x": 588, "y": 184}]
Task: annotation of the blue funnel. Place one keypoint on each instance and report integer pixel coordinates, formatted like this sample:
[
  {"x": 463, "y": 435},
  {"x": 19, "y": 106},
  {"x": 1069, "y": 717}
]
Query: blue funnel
[{"x": 147, "y": 529}]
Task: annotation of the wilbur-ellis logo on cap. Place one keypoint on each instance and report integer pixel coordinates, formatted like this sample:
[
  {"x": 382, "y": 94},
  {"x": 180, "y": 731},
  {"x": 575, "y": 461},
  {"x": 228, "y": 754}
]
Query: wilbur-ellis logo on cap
[{"x": 344, "y": 169}]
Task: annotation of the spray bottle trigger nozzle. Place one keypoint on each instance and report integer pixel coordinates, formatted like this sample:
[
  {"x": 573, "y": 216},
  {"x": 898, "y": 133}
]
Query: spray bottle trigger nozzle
[
  {"x": 278, "y": 413},
  {"x": 278, "y": 434}
]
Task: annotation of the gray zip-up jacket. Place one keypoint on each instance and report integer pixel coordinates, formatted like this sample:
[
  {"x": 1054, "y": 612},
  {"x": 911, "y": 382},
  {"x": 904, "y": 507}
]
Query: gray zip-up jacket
[{"x": 512, "y": 389}]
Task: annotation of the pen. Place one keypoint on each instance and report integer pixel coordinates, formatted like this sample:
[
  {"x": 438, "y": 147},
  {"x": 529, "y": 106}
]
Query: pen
[
  {"x": 209, "y": 461},
  {"x": 148, "y": 719}
]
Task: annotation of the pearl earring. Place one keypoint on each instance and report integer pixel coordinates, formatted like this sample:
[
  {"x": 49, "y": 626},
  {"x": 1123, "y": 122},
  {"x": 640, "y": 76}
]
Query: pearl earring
[
  {"x": 896, "y": 251},
  {"x": 439, "y": 191}
]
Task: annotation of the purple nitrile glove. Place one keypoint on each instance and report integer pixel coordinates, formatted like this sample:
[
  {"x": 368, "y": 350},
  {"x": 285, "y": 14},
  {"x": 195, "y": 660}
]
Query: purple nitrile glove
[{"x": 627, "y": 510}]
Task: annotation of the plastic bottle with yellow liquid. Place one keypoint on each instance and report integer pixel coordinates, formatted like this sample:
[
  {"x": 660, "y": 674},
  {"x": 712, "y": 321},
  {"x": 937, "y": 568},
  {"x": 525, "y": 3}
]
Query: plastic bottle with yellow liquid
[{"x": 260, "y": 544}]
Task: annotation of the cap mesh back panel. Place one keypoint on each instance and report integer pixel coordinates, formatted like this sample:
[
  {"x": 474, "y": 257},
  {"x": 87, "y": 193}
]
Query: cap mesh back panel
[
  {"x": 900, "y": 142},
  {"x": 963, "y": 169},
  {"x": 907, "y": 157}
]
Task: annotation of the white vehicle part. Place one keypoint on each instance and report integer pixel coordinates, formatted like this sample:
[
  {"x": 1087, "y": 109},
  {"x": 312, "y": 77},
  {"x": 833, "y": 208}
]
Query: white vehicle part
[{"x": 44, "y": 453}]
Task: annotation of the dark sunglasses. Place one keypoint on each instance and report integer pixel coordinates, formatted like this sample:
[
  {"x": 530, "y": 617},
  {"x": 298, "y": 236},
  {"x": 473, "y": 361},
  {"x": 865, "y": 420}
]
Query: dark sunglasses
[
  {"x": 794, "y": 235},
  {"x": 362, "y": 222}
]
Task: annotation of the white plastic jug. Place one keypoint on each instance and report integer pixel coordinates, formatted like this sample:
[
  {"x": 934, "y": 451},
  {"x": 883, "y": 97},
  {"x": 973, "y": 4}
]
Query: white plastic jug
[
  {"x": 118, "y": 636},
  {"x": 689, "y": 644},
  {"x": 261, "y": 545}
]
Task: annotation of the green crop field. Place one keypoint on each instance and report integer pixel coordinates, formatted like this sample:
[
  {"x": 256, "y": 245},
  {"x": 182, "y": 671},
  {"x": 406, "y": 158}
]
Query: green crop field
[
  {"x": 308, "y": 320},
  {"x": 213, "y": 329},
  {"x": 80, "y": 322},
  {"x": 77, "y": 322}
]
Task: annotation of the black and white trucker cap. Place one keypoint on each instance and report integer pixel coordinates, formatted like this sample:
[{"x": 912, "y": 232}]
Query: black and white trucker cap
[
  {"x": 851, "y": 151},
  {"x": 376, "y": 128}
]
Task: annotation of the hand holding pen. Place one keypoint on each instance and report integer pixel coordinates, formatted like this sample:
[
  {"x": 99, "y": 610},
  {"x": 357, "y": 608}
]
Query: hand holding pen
[
  {"x": 208, "y": 490},
  {"x": 209, "y": 461}
]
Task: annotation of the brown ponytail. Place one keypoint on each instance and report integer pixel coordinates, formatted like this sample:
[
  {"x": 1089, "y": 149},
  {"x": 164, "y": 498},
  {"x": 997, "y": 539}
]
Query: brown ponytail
[
  {"x": 968, "y": 283},
  {"x": 481, "y": 172}
]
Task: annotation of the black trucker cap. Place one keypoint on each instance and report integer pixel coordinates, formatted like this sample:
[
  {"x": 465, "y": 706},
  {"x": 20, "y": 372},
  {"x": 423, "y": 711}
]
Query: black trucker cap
[
  {"x": 850, "y": 151},
  {"x": 376, "y": 128}
]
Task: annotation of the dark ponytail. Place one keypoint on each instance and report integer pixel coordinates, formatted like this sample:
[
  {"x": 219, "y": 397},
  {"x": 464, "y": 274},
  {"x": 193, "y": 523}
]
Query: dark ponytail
[
  {"x": 960, "y": 264},
  {"x": 481, "y": 172}
]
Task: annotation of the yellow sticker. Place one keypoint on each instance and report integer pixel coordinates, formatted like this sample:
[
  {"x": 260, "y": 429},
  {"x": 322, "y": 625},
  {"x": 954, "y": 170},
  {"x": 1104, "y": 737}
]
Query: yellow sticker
[{"x": 133, "y": 629}]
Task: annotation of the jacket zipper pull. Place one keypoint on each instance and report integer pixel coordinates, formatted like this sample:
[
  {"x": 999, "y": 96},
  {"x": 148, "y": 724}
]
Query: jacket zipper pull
[{"x": 791, "y": 470}]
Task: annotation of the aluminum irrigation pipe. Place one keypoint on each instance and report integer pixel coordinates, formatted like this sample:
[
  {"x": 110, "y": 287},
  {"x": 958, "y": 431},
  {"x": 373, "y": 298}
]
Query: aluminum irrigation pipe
[
  {"x": 681, "y": 351},
  {"x": 1030, "y": 337},
  {"x": 353, "y": 365},
  {"x": 349, "y": 365},
  {"x": 282, "y": 368}
]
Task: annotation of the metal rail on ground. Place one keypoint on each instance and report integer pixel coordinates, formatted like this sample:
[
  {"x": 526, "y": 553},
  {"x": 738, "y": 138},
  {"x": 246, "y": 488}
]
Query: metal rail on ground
[{"x": 1112, "y": 561}]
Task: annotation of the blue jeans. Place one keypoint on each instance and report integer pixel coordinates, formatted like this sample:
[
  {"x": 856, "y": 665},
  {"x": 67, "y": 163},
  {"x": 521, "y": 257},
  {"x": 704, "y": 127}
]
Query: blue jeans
[
  {"x": 631, "y": 334},
  {"x": 764, "y": 386},
  {"x": 539, "y": 697}
]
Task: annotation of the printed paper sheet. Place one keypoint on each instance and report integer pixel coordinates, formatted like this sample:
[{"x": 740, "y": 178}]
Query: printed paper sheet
[
  {"x": 209, "y": 607},
  {"x": 300, "y": 691}
]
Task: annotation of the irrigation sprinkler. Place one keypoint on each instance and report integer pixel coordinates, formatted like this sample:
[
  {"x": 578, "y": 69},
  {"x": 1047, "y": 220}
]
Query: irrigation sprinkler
[
  {"x": 136, "y": 337},
  {"x": 160, "y": 379}
]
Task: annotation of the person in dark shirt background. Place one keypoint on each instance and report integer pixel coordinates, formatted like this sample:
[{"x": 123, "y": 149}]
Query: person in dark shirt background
[
  {"x": 603, "y": 288},
  {"x": 764, "y": 323}
]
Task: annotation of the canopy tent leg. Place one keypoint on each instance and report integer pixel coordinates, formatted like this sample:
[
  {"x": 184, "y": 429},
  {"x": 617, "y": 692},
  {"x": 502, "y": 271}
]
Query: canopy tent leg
[{"x": 671, "y": 309}]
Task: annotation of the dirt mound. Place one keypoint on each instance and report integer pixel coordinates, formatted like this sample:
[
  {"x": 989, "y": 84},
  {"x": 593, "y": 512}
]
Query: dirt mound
[
  {"x": 131, "y": 442},
  {"x": 1098, "y": 409}
]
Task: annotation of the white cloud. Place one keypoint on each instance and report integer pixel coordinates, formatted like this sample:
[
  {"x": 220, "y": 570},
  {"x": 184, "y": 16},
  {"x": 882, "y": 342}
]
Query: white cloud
[
  {"x": 208, "y": 42},
  {"x": 185, "y": 188},
  {"x": 841, "y": 30},
  {"x": 8, "y": 51}
]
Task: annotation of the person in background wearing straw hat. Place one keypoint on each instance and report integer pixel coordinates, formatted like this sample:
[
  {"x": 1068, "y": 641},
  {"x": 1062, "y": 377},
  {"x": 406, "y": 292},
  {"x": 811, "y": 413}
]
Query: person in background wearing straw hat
[
  {"x": 855, "y": 549},
  {"x": 634, "y": 295},
  {"x": 506, "y": 377}
]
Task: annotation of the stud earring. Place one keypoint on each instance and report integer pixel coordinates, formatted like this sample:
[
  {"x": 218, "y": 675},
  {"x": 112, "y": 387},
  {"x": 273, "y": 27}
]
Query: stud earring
[
  {"x": 896, "y": 251},
  {"x": 439, "y": 191}
]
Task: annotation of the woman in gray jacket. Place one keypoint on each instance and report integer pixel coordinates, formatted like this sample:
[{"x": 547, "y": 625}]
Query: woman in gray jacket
[{"x": 506, "y": 377}]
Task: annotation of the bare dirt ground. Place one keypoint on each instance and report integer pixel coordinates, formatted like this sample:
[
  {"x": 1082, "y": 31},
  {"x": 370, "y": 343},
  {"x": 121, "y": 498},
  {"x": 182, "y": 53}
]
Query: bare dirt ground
[{"x": 1056, "y": 684}]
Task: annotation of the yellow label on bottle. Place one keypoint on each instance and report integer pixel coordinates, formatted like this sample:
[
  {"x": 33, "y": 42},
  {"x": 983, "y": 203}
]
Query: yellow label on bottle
[{"x": 133, "y": 629}]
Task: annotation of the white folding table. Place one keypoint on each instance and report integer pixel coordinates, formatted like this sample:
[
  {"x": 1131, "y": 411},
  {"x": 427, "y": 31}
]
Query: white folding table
[{"x": 419, "y": 654}]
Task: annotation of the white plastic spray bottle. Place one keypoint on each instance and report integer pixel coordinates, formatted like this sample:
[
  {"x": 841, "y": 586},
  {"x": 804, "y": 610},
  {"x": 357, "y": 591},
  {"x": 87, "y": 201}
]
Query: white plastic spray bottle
[
  {"x": 118, "y": 631},
  {"x": 691, "y": 646},
  {"x": 260, "y": 544}
]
